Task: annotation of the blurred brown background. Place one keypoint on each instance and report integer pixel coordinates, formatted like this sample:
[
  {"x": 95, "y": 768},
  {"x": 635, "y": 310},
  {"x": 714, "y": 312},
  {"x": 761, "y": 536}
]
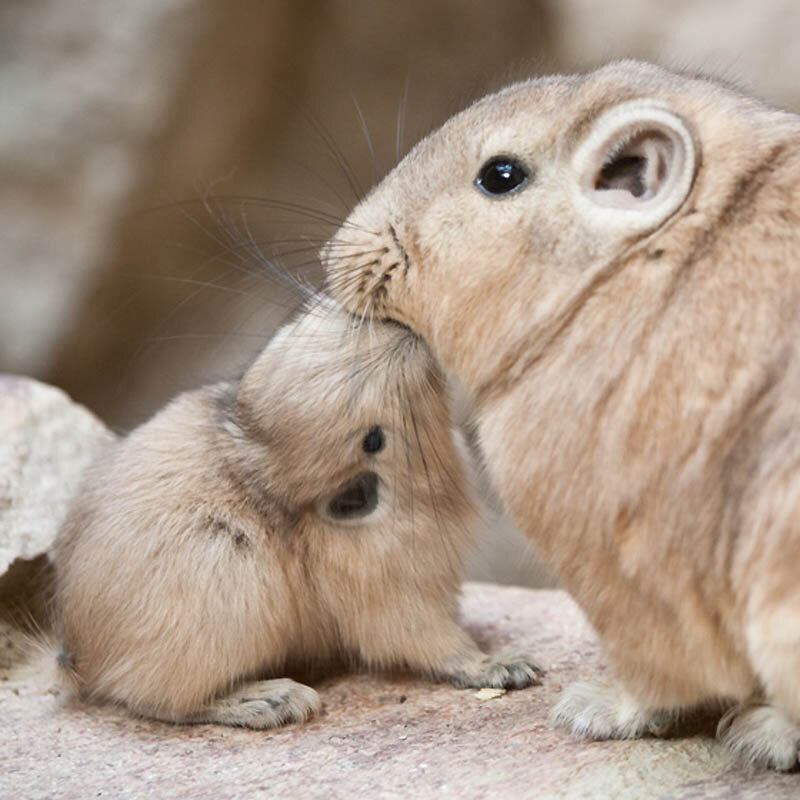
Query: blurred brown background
[{"x": 151, "y": 149}]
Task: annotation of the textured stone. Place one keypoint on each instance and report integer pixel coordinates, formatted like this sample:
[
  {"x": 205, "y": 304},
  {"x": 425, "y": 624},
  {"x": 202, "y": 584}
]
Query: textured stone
[
  {"x": 46, "y": 441},
  {"x": 379, "y": 737}
]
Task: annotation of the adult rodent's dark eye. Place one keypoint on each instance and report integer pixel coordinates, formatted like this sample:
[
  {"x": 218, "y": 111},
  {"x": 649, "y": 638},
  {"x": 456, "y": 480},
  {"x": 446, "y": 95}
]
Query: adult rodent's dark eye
[
  {"x": 373, "y": 441},
  {"x": 357, "y": 498},
  {"x": 501, "y": 175}
]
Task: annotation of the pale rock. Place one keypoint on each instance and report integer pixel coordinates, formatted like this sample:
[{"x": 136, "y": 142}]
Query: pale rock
[
  {"x": 46, "y": 441},
  {"x": 378, "y": 737}
]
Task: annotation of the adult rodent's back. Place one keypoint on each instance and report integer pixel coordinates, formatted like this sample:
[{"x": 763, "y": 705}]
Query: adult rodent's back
[{"x": 609, "y": 264}]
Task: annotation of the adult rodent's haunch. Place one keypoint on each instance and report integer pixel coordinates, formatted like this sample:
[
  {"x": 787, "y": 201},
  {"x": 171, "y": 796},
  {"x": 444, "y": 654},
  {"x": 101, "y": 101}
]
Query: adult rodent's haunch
[
  {"x": 609, "y": 264},
  {"x": 316, "y": 509}
]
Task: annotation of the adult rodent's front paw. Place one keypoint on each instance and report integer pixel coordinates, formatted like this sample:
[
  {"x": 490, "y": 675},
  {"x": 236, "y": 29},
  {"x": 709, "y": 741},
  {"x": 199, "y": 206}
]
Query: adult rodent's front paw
[
  {"x": 761, "y": 735},
  {"x": 600, "y": 710}
]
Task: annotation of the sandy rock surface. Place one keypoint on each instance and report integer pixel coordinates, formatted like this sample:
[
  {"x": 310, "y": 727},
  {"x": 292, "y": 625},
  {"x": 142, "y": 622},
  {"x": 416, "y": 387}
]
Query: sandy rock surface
[{"x": 379, "y": 737}]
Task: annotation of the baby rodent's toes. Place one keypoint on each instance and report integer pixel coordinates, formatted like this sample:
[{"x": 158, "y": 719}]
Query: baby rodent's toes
[
  {"x": 760, "y": 735},
  {"x": 265, "y": 704},
  {"x": 500, "y": 672},
  {"x": 606, "y": 711},
  {"x": 522, "y": 671}
]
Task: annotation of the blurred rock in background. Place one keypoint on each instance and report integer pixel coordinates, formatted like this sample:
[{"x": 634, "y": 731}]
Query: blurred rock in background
[
  {"x": 153, "y": 154},
  {"x": 83, "y": 86}
]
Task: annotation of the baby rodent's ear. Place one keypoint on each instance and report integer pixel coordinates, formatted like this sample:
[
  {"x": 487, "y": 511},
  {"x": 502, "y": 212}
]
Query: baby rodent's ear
[{"x": 635, "y": 167}]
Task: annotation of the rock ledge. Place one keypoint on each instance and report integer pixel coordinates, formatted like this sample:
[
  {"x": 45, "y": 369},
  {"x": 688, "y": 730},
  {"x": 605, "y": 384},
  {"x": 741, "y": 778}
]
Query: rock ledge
[{"x": 379, "y": 736}]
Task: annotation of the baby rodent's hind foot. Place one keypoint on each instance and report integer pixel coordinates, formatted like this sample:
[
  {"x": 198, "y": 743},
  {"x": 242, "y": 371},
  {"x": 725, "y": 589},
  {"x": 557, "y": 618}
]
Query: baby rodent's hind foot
[
  {"x": 760, "y": 735},
  {"x": 606, "y": 711},
  {"x": 504, "y": 671},
  {"x": 265, "y": 704}
]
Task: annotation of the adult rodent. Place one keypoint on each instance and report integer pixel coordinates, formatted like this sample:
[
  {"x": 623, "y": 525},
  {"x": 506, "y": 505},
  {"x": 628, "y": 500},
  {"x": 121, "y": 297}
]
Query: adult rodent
[
  {"x": 317, "y": 509},
  {"x": 609, "y": 264}
]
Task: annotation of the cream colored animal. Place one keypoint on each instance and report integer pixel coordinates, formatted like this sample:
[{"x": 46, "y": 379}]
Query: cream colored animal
[
  {"x": 316, "y": 509},
  {"x": 610, "y": 263}
]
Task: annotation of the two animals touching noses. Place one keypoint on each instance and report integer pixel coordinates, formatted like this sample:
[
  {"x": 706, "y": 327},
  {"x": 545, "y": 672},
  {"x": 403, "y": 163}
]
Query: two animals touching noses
[{"x": 608, "y": 263}]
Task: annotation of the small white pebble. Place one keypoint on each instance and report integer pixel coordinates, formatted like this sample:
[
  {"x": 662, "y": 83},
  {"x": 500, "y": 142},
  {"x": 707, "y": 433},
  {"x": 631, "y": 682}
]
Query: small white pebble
[{"x": 488, "y": 693}]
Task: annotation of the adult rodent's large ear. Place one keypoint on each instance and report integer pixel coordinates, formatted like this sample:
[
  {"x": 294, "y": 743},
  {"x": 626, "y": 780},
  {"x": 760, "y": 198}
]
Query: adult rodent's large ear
[{"x": 635, "y": 167}]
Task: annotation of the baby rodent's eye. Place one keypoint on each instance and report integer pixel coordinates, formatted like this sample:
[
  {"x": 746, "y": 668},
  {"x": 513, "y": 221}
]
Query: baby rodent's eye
[
  {"x": 501, "y": 175},
  {"x": 374, "y": 440}
]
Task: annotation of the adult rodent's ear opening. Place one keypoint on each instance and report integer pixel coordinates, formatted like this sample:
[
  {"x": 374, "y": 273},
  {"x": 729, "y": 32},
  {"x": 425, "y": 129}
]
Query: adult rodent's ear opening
[{"x": 635, "y": 167}]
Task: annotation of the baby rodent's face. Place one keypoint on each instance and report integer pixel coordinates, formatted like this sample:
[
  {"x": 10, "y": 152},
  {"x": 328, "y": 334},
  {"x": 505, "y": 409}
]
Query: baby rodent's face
[
  {"x": 354, "y": 420},
  {"x": 499, "y": 214}
]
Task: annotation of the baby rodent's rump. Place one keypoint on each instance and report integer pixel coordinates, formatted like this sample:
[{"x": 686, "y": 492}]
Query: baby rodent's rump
[
  {"x": 609, "y": 264},
  {"x": 318, "y": 509}
]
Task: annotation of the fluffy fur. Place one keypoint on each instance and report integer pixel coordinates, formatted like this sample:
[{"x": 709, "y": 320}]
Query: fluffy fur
[
  {"x": 627, "y": 326},
  {"x": 201, "y": 554}
]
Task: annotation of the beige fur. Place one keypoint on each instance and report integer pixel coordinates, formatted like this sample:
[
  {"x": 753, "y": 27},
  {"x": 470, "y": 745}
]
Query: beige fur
[
  {"x": 201, "y": 554},
  {"x": 627, "y": 326}
]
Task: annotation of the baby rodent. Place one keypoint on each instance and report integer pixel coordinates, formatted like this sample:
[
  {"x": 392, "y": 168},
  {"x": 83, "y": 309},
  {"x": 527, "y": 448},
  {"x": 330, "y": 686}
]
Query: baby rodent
[
  {"x": 610, "y": 264},
  {"x": 318, "y": 508}
]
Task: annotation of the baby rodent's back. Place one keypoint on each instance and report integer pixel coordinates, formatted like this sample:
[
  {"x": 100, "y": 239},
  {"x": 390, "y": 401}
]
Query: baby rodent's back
[
  {"x": 260, "y": 521},
  {"x": 160, "y": 547}
]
